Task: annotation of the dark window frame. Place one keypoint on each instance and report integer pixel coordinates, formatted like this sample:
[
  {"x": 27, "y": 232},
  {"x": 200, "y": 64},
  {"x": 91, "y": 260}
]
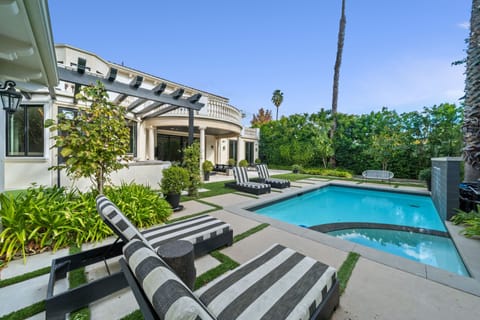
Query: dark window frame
[{"x": 27, "y": 153}]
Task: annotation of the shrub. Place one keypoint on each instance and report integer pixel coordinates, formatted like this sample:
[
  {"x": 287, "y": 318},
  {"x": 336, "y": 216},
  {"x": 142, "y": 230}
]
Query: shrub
[
  {"x": 258, "y": 161},
  {"x": 207, "y": 166},
  {"x": 231, "y": 162},
  {"x": 143, "y": 206},
  {"x": 471, "y": 221},
  {"x": 243, "y": 163},
  {"x": 174, "y": 180},
  {"x": 191, "y": 162},
  {"x": 329, "y": 172},
  {"x": 425, "y": 174},
  {"x": 44, "y": 218},
  {"x": 297, "y": 168}
]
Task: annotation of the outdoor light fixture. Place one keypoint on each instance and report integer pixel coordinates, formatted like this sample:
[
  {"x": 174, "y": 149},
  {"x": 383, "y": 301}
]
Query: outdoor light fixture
[{"x": 9, "y": 97}]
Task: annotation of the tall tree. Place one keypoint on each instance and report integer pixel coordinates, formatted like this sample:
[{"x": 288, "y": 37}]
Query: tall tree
[
  {"x": 263, "y": 116},
  {"x": 471, "y": 123},
  {"x": 277, "y": 99},
  {"x": 93, "y": 142},
  {"x": 336, "y": 73}
]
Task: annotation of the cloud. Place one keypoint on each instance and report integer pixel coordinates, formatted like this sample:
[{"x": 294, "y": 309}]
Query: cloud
[{"x": 464, "y": 25}]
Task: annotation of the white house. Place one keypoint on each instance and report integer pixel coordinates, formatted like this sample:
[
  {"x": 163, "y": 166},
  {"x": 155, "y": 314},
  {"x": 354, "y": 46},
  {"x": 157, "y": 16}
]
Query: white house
[{"x": 163, "y": 115}]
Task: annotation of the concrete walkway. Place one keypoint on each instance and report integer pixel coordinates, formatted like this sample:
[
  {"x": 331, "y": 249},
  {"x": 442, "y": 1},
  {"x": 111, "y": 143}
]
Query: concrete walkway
[{"x": 375, "y": 290}]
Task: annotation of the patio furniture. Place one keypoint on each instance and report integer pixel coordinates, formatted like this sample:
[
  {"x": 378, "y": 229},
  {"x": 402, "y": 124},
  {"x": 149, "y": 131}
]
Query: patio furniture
[
  {"x": 276, "y": 284},
  {"x": 264, "y": 176},
  {"x": 243, "y": 184},
  {"x": 205, "y": 232},
  {"x": 178, "y": 254},
  {"x": 377, "y": 174}
]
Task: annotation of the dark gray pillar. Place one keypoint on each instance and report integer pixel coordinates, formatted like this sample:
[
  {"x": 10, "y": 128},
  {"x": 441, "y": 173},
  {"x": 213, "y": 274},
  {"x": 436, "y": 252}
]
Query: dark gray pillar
[
  {"x": 190, "y": 127},
  {"x": 445, "y": 181}
]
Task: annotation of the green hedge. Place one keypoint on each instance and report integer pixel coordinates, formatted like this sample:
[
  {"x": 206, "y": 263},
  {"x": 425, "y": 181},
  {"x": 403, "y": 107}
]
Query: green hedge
[
  {"x": 43, "y": 218},
  {"x": 328, "y": 172}
]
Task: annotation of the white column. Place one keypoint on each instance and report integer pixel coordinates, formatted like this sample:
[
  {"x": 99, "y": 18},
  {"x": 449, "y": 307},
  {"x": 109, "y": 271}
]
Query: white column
[
  {"x": 151, "y": 143},
  {"x": 202, "y": 144},
  {"x": 141, "y": 141},
  {"x": 239, "y": 155}
]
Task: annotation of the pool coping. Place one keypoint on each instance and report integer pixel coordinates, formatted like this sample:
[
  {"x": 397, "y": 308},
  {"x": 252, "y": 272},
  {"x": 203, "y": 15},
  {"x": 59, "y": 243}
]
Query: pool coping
[{"x": 453, "y": 280}]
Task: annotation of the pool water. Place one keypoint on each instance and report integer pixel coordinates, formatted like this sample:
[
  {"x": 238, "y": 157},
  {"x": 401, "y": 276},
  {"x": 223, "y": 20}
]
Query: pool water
[
  {"x": 335, "y": 204},
  {"x": 436, "y": 251}
]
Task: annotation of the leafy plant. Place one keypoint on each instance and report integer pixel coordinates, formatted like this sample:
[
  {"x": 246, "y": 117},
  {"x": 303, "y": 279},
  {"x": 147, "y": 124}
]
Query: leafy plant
[
  {"x": 191, "y": 162},
  {"x": 207, "y": 166},
  {"x": 243, "y": 163},
  {"x": 174, "y": 180},
  {"x": 471, "y": 221},
  {"x": 95, "y": 140},
  {"x": 258, "y": 161},
  {"x": 328, "y": 172},
  {"x": 231, "y": 162},
  {"x": 297, "y": 168},
  {"x": 425, "y": 174}
]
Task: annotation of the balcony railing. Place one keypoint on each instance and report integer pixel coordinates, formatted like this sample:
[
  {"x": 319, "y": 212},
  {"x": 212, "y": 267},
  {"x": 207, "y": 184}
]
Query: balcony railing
[{"x": 216, "y": 110}]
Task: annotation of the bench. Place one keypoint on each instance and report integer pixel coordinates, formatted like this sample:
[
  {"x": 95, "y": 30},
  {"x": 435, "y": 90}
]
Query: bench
[{"x": 377, "y": 174}]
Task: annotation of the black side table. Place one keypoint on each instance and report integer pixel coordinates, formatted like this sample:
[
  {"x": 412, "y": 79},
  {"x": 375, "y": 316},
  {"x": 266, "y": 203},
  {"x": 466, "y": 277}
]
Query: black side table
[{"x": 178, "y": 254}]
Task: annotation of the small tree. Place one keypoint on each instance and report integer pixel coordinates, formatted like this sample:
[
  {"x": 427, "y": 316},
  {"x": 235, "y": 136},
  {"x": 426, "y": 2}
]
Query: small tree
[
  {"x": 263, "y": 116},
  {"x": 95, "y": 140},
  {"x": 191, "y": 162}
]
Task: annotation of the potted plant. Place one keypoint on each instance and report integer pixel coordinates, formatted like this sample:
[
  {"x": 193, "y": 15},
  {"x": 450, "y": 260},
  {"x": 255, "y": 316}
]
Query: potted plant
[
  {"x": 296, "y": 168},
  {"x": 243, "y": 163},
  {"x": 207, "y": 167},
  {"x": 426, "y": 175},
  {"x": 174, "y": 180},
  {"x": 258, "y": 161},
  {"x": 231, "y": 162}
]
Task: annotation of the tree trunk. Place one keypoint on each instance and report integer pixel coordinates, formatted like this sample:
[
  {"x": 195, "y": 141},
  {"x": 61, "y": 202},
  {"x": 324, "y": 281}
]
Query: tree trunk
[
  {"x": 471, "y": 124},
  {"x": 336, "y": 75}
]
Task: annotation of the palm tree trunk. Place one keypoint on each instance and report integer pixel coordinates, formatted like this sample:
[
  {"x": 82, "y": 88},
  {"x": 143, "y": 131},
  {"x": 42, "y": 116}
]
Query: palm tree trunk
[
  {"x": 471, "y": 124},
  {"x": 336, "y": 75}
]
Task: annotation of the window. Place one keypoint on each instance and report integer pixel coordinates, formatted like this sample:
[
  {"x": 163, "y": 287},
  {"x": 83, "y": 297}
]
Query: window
[
  {"x": 25, "y": 132},
  {"x": 249, "y": 152},
  {"x": 232, "y": 150}
]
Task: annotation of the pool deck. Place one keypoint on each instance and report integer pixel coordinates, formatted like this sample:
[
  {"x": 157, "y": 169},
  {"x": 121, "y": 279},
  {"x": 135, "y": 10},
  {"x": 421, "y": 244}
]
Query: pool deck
[{"x": 382, "y": 286}]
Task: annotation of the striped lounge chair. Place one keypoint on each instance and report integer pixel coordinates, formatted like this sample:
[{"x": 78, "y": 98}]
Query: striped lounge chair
[
  {"x": 205, "y": 232},
  {"x": 243, "y": 184},
  {"x": 277, "y": 284},
  {"x": 265, "y": 178}
]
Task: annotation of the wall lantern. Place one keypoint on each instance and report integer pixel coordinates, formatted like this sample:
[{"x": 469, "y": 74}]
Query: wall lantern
[{"x": 9, "y": 97}]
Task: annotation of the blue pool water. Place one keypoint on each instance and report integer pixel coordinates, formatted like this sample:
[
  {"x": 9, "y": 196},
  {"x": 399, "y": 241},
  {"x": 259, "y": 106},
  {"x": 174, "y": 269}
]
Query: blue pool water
[{"x": 334, "y": 204}]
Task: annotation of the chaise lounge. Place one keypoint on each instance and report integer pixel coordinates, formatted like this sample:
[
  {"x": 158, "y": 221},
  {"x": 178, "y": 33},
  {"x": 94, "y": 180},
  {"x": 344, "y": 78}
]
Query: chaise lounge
[
  {"x": 264, "y": 176},
  {"x": 205, "y": 232},
  {"x": 243, "y": 184},
  {"x": 277, "y": 284}
]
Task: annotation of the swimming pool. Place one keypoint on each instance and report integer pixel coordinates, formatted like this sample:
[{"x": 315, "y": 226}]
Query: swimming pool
[{"x": 403, "y": 224}]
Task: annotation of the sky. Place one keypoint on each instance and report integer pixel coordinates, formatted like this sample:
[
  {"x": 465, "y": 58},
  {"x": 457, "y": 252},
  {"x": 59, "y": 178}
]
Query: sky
[{"x": 397, "y": 54}]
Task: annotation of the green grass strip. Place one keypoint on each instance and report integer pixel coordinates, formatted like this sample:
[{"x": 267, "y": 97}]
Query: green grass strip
[
  {"x": 346, "y": 270},
  {"x": 77, "y": 278},
  {"x": 249, "y": 232},
  {"x": 23, "y": 277},
  {"x": 227, "y": 264},
  {"x": 216, "y": 206},
  {"x": 135, "y": 315},
  {"x": 26, "y": 312}
]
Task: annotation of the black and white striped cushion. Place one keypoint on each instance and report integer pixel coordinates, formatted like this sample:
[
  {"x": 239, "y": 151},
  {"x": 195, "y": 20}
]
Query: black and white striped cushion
[
  {"x": 278, "y": 284},
  {"x": 240, "y": 174},
  {"x": 170, "y": 298},
  {"x": 195, "y": 230},
  {"x": 111, "y": 213},
  {"x": 254, "y": 185},
  {"x": 276, "y": 181},
  {"x": 263, "y": 171}
]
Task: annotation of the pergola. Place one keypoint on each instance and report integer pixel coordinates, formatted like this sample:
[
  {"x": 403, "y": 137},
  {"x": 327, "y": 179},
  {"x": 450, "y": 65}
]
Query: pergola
[{"x": 148, "y": 103}]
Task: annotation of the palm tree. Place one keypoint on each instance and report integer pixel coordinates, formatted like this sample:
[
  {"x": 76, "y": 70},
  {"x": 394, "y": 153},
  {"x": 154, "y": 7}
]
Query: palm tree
[
  {"x": 277, "y": 99},
  {"x": 471, "y": 113},
  {"x": 336, "y": 74}
]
